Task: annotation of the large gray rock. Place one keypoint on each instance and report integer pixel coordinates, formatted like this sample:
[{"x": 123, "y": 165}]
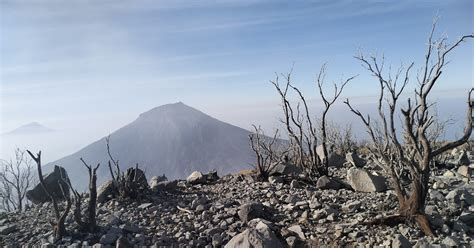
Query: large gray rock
[
  {"x": 354, "y": 159},
  {"x": 196, "y": 178},
  {"x": 54, "y": 181},
  {"x": 254, "y": 210},
  {"x": 105, "y": 191},
  {"x": 361, "y": 180},
  {"x": 259, "y": 237},
  {"x": 285, "y": 169}
]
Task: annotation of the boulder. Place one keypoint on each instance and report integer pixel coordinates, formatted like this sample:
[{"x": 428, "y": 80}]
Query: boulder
[
  {"x": 361, "y": 180},
  {"x": 196, "y": 178},
  {"x": 465, "y": 171},
  {"x": 259, "y": 237},
  {"x": 157, "y": 179},
  {"x": 166, "y": 185},
  {"x": 336, "y": 160},
  {"x": 105, "y": 191},
  {"x": 254, "y": 210},
  {"x": 354, "y": 159},
  {"x": 37, "y": 195},
  {"x": 325, "y": 182},
  {"x": 211, "y": 176},
  {"x": 285, "y": 169}
]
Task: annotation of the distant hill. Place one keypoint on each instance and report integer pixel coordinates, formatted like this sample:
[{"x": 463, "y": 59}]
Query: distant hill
[
  {"x": 30, "y": 128},
  {"x": 172, "y": 139}
]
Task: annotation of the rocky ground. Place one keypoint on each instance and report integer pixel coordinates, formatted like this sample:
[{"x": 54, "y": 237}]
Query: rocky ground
[{"x": 284, "y": 212}]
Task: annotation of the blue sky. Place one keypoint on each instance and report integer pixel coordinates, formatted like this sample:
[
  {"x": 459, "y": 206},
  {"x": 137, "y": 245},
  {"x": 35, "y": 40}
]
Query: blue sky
[{"x": 95, "y": 65}]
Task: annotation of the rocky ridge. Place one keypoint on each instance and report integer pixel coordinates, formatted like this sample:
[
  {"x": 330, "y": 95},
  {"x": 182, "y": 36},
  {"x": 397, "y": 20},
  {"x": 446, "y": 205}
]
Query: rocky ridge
[{"x": 287, "y": 211}]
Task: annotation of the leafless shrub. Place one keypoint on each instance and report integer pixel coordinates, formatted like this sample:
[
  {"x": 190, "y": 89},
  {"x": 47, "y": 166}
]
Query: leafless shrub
[
  {"x": 89, "y": 223},
  {"x": 15, "y": 179},
  {"x": 269, "y": 151},
  {"x": 126, "y": 185},
  {"x": 341, "y": 137}
]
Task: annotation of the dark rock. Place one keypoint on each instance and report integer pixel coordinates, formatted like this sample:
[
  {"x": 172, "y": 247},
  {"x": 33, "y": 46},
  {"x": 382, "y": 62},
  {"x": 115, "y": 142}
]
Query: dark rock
[
  {"x": 463, "y": 159},
  {"x": 325, "y": 182},
  {"x": 399, "y": 241},
  {"x": 285, "y": 169},
  {"x": 54, "y": 181},
  {"x": 254, "y": 210},
  {"x": 354, "y": 159},
  {"x": 137, "y": 176},
  {"x": 122, "y": 242}
]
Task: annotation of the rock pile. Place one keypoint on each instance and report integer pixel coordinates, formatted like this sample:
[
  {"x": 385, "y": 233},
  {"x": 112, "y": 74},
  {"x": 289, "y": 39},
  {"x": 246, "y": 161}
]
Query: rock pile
[{"x": 239, "y": 211}]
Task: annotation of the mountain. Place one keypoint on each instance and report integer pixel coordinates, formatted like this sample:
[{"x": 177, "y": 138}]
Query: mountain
[
  {"x": 172, "y": 139},
  {"x": 30, "y": 128}
]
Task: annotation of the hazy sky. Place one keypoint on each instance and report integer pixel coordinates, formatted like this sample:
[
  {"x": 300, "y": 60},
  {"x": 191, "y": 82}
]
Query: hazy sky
[{"x": 89, "y": 67}]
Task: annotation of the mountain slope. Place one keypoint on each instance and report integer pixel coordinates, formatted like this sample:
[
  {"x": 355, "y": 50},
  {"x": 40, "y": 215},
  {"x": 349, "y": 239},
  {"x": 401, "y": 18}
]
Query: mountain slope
[{"x": 172, "y": 139}]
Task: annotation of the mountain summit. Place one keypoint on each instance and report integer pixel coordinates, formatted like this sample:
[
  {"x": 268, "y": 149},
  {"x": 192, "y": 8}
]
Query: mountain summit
[
  {"x": 30, "y": 128},
  {"x": 173, "y": 139}
]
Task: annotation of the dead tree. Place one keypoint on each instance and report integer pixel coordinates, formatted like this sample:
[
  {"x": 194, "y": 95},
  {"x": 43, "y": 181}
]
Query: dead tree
[
  {"x": 89, "y": 224},
  {"x": 267, "y": 150},
  {"x": 418, "y": 152},
  {"x": 300, "y": 125},
  {"x": 59, "y": 229},
  {"x": 16, "y": 178},
  {"x": 328, "y": 102}
]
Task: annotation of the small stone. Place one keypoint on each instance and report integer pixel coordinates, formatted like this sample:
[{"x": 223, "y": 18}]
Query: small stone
[
  {"x": 351, "y": 206},
  {"x": 465, "y": 171},
  {"x": 298, "y": 231},
  {"x": 399, "y": 241},
  {"x": 451, "y": 241},
  {"x": 144, "y": 205}
]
